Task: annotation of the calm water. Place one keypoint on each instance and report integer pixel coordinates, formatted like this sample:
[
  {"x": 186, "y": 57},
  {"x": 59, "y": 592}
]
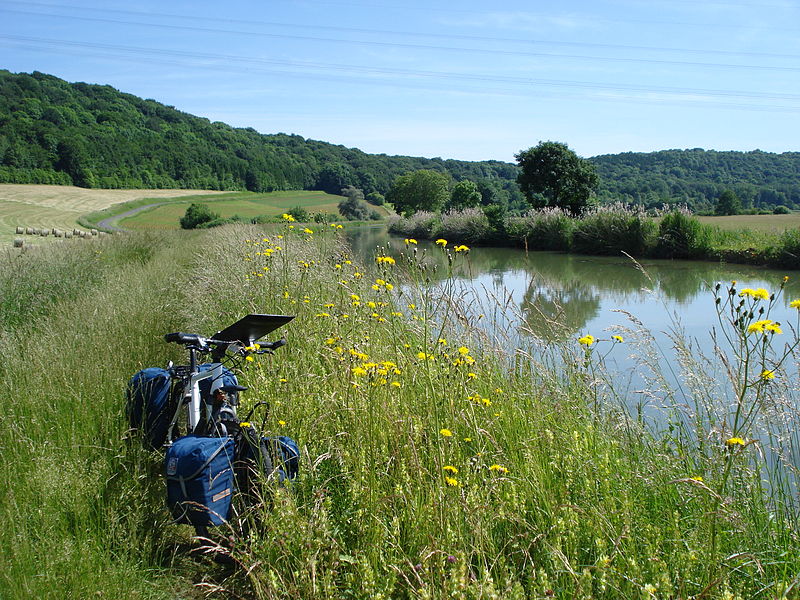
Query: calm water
[{"x": 551, "y": 296}]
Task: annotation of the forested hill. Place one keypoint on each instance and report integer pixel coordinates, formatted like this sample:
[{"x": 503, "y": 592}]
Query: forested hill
[
  {"x": 52, "y": 131},
  {"x": 697, "y": 177}
]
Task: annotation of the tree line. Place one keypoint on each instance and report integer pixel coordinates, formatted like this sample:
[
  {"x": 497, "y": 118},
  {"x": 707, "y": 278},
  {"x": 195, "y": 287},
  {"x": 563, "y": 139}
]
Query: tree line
[{"x": 56, "y": 132}]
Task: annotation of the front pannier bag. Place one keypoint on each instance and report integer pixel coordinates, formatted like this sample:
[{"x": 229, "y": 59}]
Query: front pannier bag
[
  {"x": 200, "y": 479},
  {"x": 148, "y": 405}
]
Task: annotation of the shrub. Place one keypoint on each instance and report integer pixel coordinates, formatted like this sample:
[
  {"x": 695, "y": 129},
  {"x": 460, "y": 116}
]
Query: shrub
[
  {"x": 542, "y": 229},
  {"x": 614, "y": 229},
  {"x": 196, "y": 215},
  {"x": 469, "y": 225},
  {"x": 422, "y": 224},
  {"x": 781, "y": 210},
  {"x": 786, "y": 254},
  {"x": 300, "y": 214},
  {"x": 682, "y": 236},
  {"x": 375, "y": 198}
]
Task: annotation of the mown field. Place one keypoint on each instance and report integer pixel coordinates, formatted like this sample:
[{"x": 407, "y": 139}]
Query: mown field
[
  {"x": 245, "y": 204},
  {"x": 61, "y": 206},
  {"x": 434, "y": 465},
  {"x": 762, "y": 223}
]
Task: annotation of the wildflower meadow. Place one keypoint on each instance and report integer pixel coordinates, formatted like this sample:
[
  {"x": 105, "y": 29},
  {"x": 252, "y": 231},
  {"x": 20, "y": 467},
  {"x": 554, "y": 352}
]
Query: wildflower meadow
[{"x": 434, "y": 465}]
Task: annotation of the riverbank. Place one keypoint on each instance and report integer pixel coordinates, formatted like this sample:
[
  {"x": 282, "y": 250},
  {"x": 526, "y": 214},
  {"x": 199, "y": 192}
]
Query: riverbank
[
  {"x": 429, "y": 467},
  {"x": 609, "y": 230}
]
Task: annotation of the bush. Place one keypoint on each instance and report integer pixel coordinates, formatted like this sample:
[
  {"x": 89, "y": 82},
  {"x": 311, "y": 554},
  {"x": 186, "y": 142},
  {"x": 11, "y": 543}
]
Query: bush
[
  {"x": 614, "y": 229},
  {"x": 300, "y": 214},
  {"x": 375, "y": 198},
  {"x": 466, "y": 226},
  {"x": 422, "y": 224},
  {"x": 781, "y": 210},
  {"x": 196, "y": 215},
  {"x": 786, "y": 254},
  {"x": 542, "y": 229},
  {"x": 681, "y": 236}
]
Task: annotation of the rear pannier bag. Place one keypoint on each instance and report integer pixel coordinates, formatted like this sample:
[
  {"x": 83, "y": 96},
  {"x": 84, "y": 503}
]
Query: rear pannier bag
[
  {"x": 287, "y": 456},
  {"x": 205, "y": 385},
  {"x": 148, "y": 405},
  {"x": 200, "y": 479}
]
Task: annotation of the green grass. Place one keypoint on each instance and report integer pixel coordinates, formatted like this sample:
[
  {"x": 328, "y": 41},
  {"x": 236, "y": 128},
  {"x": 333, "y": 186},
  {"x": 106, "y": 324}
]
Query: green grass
[
  {"x": 245, "y": 204},
  {"x": 556, "y": 494}
]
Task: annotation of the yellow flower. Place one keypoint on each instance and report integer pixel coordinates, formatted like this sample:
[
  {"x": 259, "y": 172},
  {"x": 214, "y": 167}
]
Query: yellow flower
[
  {"x": 795, "y": 304},
  {"x": 446, "y": 432},
  {"x": 747, "y": 292},
  {"x": 617, "y": 338},
  {"x": 288, "y": 218},
  {"x": 586, "y": 340},
  {"x": 462, "y": 248},
  {"x": 424, "y": 356},
  {"x": 761, "y": 294},
  {"x": 249, "y": 358},
  {"x": 410, "y": 241},
  {"x": 498, "y": 469},
  {"x": 282, "y": 423},
  {"x": 451, "y": 481},
  {"x": 697, "y": 478},
  {"x": 359, "y": 371},
  {"x": 441, "y": 242},
  {"x": 463, "y": 350},
  {"x": 735, "y": 441},
  {"x": 773, "y": 328},
  {"x": 387, "y": 260},
  {"x": 767, "y": 374},
  {"x": 450, "y": 469},
  {"x": 308, "y": 231},
  {"x": 471, "y": 376}
]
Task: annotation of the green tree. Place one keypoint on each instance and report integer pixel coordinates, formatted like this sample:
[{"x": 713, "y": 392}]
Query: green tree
[
  {"x": 196, "y": 215},
  {"x": 553, "y": 175},
  {"x": 728, "y": 203},
  {"x": 420, "y": 190},
  {"x": 465, "y": 195},
  {"x": 353, "y": 207}
]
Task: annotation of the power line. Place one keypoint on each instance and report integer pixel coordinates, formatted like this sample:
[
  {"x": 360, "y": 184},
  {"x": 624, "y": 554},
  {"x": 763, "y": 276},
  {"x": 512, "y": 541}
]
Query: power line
[
  {"x": 437, "y": 35},
  {"x": 292, "y": 67},
  {"x": 424, "y": 46}
]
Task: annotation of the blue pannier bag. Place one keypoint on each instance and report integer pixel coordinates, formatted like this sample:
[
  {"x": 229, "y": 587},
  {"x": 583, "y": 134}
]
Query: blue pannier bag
[
  {"x": 148, "y": 405},
  {"x": 287, "y": 448},
  {"x": 200, "y": 479}
]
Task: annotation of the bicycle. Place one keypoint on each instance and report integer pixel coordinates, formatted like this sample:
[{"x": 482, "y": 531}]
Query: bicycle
[{"x": 190, "y": 412}]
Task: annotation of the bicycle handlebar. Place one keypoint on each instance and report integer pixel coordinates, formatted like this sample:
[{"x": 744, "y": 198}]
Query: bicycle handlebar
[{"x": 202, "y": 343}]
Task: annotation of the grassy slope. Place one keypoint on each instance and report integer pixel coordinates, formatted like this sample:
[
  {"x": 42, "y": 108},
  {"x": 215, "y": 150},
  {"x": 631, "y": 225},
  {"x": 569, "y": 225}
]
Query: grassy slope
[
  {"x": 61, "y": 206},
  {"x": 590, "y": 504},
  {"x": 245, "y": 204}
]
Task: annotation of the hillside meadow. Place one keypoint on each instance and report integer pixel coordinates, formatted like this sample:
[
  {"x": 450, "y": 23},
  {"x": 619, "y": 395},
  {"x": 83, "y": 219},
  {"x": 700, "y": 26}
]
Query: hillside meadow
[
  {"x": 61, "y": 206},
  {"x": 434, "y": 465}
]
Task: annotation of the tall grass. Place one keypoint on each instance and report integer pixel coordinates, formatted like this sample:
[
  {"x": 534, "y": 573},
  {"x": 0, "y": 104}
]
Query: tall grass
[{"x": 432, "y": 466}]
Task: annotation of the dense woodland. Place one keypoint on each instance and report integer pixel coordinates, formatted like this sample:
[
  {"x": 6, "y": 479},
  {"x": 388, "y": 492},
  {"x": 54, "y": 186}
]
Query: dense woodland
[{"x": 56, "y": 132}]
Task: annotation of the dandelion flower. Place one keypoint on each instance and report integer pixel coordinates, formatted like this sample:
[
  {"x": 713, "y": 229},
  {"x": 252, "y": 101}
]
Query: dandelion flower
[
  {"x": 735, "y": 441},
  {"x": 463, "y": 350},
  {"x": 761, "y": 294},
  {"x": 282, "y": 423},
  {"x": 441, "y": 242},
  {"x": 451, "y": 481},
  {"x": 767, "y": 375},
  {"x": 446, "y": 432},
  {"x": 471, "y": 376},
  {"x": 410, "y": 241},
  {"x": 697, "y": 478},
  {"x": 617, "y": 338},
  {"x": 308, "y": 231},
  {"x": 450, "y": 469},
  {"x": 498, "y": 469},
  {"x": 462, "y": 248},
  {"x": 586, "y": 340},
  {"x": 795, "y": 304}
]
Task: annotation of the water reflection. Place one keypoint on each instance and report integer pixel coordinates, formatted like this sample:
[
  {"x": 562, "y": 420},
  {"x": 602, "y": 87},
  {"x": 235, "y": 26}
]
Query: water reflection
[{"x": 558, "y": 295}]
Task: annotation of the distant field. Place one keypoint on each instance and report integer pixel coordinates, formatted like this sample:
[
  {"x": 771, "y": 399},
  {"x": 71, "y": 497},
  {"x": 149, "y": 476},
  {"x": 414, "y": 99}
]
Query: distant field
[
  {"x": 245, "y": 204},
  {"x": 60, "y": 206},
  {"x": 760, "y": 223}
]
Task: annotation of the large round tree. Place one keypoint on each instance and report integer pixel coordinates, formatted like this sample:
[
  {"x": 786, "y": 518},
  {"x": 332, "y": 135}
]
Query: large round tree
[
  {"x": 420, "y": 190},
  {"x": 553, "y": 175}
]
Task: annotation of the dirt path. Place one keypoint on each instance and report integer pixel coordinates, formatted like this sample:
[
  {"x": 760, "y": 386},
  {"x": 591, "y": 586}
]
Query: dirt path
[{"x": 110, "y": 223}]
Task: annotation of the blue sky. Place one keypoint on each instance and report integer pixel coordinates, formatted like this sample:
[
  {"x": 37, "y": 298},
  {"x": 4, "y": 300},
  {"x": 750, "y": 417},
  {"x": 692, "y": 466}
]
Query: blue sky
[{"x": 468, "y": 80}]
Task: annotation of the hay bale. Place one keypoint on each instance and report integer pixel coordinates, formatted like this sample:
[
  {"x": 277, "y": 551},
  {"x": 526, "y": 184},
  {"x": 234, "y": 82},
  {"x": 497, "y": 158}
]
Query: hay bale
[
  {"x": 94, "y": 232},
  {"x": 76, "y": 231},
  {"x": 67, "y": 234},
  {"x": 83, "y": 234},
  {"x": 58, "y": 233},
  {"x": 29, "y": 231},
  {"x": 19, "y": 242},
  {"x": 44, "y": 232},
  {"x": 20, "y": 230}
]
